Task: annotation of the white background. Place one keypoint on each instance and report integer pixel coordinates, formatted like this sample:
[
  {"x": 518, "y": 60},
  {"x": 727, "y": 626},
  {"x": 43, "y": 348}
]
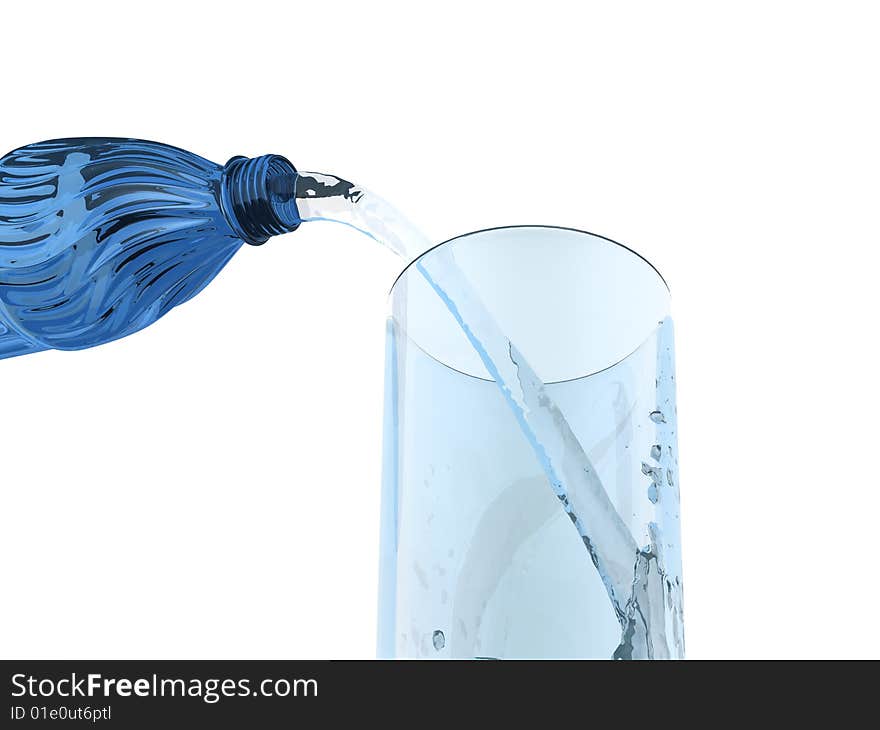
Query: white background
[{"x": 209, "y": 487}]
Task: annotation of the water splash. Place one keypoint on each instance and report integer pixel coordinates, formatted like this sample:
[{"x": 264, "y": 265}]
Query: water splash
[{"x": 634, "y": 577}]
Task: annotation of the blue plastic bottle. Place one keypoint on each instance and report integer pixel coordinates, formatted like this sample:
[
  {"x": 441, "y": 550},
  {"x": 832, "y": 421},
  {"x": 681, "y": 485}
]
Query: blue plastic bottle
[{"x": 101, "y": 237}]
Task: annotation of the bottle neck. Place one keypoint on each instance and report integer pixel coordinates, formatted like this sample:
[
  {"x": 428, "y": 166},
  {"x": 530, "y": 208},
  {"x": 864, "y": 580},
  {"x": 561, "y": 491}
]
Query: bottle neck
[{"x": 258, "y": 196}]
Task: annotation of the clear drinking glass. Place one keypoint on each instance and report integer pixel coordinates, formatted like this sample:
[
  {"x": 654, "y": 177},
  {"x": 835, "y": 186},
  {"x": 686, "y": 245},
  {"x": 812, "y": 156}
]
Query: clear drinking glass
[{"x": 478, "y": 557}]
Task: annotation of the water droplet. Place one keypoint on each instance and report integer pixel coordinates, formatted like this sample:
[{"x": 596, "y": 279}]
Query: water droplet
[
  {"x": 657, "y": 417},
  {"x": 653, "y": 496},
  {"x": 439, "y": 640},
  {"x": 654, "y": 472},
  {"x": 655, "y": 452},
  {"x": 669, "y": 478}
]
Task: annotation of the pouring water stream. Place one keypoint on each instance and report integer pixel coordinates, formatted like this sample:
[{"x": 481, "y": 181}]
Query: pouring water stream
[{"x": 632, "y": 575}]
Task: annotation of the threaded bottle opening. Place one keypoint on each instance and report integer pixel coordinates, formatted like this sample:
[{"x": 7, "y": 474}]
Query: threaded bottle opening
[{"x": 256, "y": 194}]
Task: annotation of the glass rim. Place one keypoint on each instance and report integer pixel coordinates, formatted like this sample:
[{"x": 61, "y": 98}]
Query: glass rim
[
  {"x": 526, "y": 225},
  {"x": 535, "y": 226}
]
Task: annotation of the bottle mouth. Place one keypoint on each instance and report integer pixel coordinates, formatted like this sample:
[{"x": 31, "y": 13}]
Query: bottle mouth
[{"x": 258, "y": 196}]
